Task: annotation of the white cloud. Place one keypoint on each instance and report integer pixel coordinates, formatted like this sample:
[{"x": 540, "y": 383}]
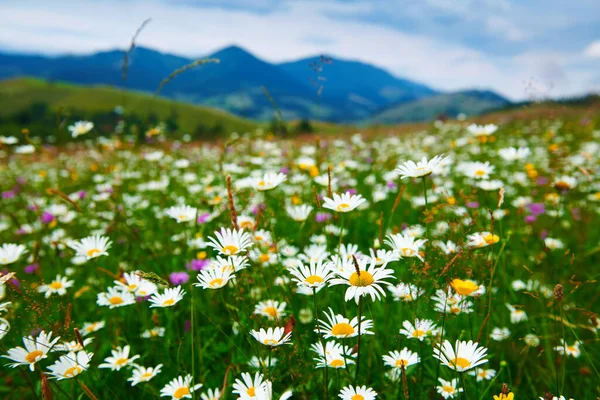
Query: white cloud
[
  {"x": 593, "y": 50},
  {"x": 280, "y": 35},
  {"x": 506, "y": 28}
]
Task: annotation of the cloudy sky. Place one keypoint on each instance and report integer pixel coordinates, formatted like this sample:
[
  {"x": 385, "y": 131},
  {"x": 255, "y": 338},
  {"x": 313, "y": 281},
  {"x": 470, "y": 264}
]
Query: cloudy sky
[{"x": 520, "y": 48}]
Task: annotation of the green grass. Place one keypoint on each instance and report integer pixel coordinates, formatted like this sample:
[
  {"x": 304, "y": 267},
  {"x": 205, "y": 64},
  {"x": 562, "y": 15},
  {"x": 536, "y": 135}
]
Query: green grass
[{"x": 19, "y": 94}]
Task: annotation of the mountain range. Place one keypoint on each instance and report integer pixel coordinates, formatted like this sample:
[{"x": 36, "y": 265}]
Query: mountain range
[{"x": 321, "y": 88}]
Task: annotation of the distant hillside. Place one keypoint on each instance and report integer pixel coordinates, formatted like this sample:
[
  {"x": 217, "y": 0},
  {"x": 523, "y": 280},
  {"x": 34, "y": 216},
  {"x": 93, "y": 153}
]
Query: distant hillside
[
  {"x": 20, "y": 95},
  {"x": 353, "y": 90},
  {"x": 362, "y": 88},
  {"x": 470, "y": 102}
]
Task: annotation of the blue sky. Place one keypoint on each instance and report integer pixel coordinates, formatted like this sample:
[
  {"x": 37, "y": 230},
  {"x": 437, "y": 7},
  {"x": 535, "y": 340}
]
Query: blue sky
[{"x": 526, "y": 48}]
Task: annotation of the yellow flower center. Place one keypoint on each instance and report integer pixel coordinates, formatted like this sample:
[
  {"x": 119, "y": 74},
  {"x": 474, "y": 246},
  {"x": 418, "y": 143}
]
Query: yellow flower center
[
  {"x": 261, "y": 184},
  {"x": 115, "y": 300},
  {"x": 230, "y": 249},
  {"x": 337, "y": 363},
  {"x": 56, "y": 285},
  {"x": 182, "y": 217},
  {"x": 121, "y": 361},
  {"x": 454, "y": 310},
  {"x": 168, "y": 302},
  {"x": 407, "y": 252},
  {"x": 270, "y": 342},
  {"x": 73, "y": 371},
  {"x": 92, "y": 252},
  {"x": 311, "y": 280},
  {"x": 418, "y": 333},
  {"x": 272, "y": 311},
  {"x": 342, "y": 329},
  {"x": 251, "y": 391},
  {"x": 32, "y": 357},
  {"x": 264, "y": 258},
  {"x": 182, "y": 391},
  {"x": 216, "y": 282},
  {"x": 247, "y": 225},
  {"x": 401, "y": 363},
  {"x": 479, "y": 172},
  {"x": 362, "y": 280},
  {"x": 464, "y": 288},
  {"x": 491, "y": 239},
  {"x": 132, "y": 286},
  {"x": 146, "y": 376},
  {"x": 460, "y": 362},
  {"x": 358, "y": 397},
  {"x": 448, "y": 389},
  {"x": 343, "y": 207}
]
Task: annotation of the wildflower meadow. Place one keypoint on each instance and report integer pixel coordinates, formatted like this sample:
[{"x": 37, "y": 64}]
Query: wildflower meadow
[{"x": 459, "y": 261}]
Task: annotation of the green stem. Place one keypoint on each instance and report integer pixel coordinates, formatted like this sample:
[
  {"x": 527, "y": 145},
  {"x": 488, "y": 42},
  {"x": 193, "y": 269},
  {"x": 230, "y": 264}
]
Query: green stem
[
  {"x": 325, "y": 380},
  {"x": 358, "y": 345}
]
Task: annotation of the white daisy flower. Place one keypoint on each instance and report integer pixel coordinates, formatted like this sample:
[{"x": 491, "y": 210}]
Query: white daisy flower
[
  {"x": 91, "y": 246},
  {"x": 115, "y": 297},
  {"x": 462, "y": 357},
  {"x": 272, "y": 337},
  {"x": 119, "y": 359},
  {"x": 10, "y": 252},
  {"x": 143, "y": 374},
  {"x": 405, "y": 246},
  {"x": 70, "y": 365},
  {"x": 449, "y": 389},
  {"x": 410, "y": 169},
  {"x": 182, "y": 213},
  {"x": 339, "y": 327},
  {"x": 270, "y": 309},
  {"x": 35, "y": 349},
  {"x": 421, "y": 329},
  {"x": 357, "y": 393},
  {"x": 268, "y": 181},
  {"x": 80, "y": 128},
  {"x": 344, "y": 203},
  {"x": 180, "y": 388},
  {"x": 58, "y": 286},
  {"x": 363, "y": 280},
  {"x": 168, "y": 298},
  {"x": 230, "y": 241},
  {"x": 214, "y": 278}
]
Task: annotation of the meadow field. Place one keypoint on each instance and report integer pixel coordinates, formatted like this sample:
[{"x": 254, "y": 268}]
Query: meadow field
[{"x": 454, "y": 261}]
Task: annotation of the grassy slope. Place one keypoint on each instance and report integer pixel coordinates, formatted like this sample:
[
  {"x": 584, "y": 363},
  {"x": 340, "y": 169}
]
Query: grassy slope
[{"x": 18, "y": 94}]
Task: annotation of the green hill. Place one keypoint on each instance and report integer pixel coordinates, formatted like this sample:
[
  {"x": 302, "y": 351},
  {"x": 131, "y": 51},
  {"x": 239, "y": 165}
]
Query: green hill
[
  {"x": 471, "y": 102},
  {"x": 19, "y": 95}
]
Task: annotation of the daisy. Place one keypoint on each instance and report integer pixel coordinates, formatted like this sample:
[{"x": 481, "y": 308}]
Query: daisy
[
  {"x": 516, "y": 314},
  {"x": 10, "y": 252},
  {"x": 230, "y": 242},
  {"x": 406, "y": 292},
  {"x": 268, "y": 181},
  {"x": 272, "y": 337},
  {"x": 499, "y": 334},
  {"x": 448, "y": 248},
  {"x": 476, "y": 169},
  {"x": 420, "y": 330},
  {"x": 70, "y": 365},
  {"x": 258, "y": 363},
  {"x": 91, "y": 246},
  {"x": 231, "y": 264},
  {"x": 58, "y": 286},
  {"x": 565, "y": 183},
  {"x": 142, "y": 374},
  {"x": 571, "y": 350},
  {"x": 405, "y": 246},
  {"x": 451, "y": 302},
  {"x": 157, "y": 331},
  {"x": 36, "y": 349},
  {"x": 182, "y": 213},
  {"x": 80, "y": 128},
  {"x": 483, "y": 374},
  {"x": 482, "y": 130},
  {"x": 270, "y": 309},
  {"x": 214, "y": 278},
  {"x": 363, "y": 280},
  {"x": 115, "y": 297},
  {"x": 247, "y": 387},
  {"x": 344, "y": 203},
  {"x": 339, "y": 327},
  {"x": 73, "y": 346},
  {"x": 91, "y": 327},
  {"x": 401, "y": 359},
  {"x": 334, "y": 355},
  {"x": 422, "y": 168},
  {"x": 4, "y": 327},
  {"x": 554, "y": 244},
  {"x": 531, "y": 340},
  {"x": 137, "y": 285},
  {"x": 169, "y": 298},
  {"x": 180, "y": 388},
  {"x": 211, "y": 394},
  {"x": 511, "y": 154},
  {"x": 448, "y": 389},
  {"x": 246, "y": 222},
  {"x": 482, "y": 239},
  {"x": 382, "y": 257},
  {"x": 299, "y": 213},
  {"x": 119, "y": 359},
  {"x": 357, "y": 393},
  {"x": 314, "y": 276},
  {"x": 462, "y": 357}
]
